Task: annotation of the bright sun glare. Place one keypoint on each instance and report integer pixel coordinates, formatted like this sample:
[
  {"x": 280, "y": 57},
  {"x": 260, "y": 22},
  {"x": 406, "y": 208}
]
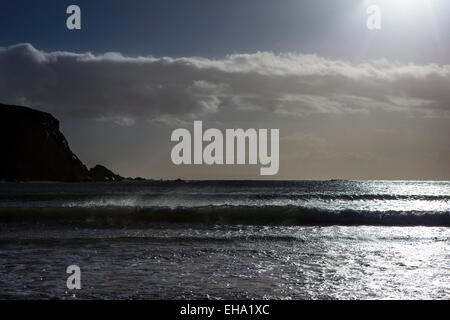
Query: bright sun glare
[
  {"x": 404, "y": 8},
  {"x": 402, "y": 5}
]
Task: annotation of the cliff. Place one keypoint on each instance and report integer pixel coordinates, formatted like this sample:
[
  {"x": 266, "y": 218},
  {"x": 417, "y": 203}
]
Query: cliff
[{"x": 33, "y": 149}]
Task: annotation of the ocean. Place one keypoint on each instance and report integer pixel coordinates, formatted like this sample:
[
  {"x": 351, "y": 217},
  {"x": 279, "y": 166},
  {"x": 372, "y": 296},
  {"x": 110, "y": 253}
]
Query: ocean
[{"x": 226, "y": 240}]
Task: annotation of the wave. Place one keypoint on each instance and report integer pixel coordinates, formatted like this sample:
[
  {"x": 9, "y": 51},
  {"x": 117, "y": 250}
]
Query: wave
[
  {"x": 165, "y": 239},
  {"x": 219, "y": 196},
  {"x": 221, "y": 215}
]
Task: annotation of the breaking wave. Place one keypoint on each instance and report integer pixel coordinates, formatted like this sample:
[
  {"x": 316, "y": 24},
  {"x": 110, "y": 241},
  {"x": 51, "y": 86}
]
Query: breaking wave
[{"x": 287, "y": 215}]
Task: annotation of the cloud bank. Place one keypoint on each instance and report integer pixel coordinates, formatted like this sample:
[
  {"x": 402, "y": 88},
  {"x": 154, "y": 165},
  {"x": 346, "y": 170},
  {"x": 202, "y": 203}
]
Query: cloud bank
[{"x": 112, "y": 86}]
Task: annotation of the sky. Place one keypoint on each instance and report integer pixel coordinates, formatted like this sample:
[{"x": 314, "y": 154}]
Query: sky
[{"x": 350, "y": 103}]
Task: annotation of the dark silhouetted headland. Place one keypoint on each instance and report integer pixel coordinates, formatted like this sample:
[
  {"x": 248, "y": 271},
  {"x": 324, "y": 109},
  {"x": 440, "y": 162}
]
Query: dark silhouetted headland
[{"x": 34, "y": 149}]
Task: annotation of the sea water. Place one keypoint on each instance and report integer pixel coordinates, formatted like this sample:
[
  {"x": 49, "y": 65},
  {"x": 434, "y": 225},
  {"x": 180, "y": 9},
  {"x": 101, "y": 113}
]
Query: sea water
[{"x": 226, "y": 239}]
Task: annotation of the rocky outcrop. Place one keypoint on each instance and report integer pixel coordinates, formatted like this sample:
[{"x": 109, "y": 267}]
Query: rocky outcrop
[
  {"x": 33, "y": 149},
  {"x": 100, "y": 173}
]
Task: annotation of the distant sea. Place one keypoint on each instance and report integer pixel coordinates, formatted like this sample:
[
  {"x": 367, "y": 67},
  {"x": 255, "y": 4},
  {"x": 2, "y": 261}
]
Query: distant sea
[{"x": 226, "y": 239}]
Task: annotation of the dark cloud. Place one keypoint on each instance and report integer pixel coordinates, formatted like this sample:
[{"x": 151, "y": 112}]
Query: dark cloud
[{"x": 112, "y": 86}]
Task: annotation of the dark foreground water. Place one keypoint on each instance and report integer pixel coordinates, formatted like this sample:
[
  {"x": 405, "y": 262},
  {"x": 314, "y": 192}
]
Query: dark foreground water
[{"x": 226, "y": 240}]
